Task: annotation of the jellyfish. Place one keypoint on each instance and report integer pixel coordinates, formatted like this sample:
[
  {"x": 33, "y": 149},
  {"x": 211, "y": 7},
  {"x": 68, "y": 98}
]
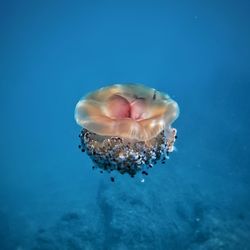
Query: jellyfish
[{"x": 127, "y": 127}]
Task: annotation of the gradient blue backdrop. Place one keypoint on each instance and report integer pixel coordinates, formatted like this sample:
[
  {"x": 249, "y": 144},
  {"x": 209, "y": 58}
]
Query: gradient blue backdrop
[{"x": 54, "y": 52}]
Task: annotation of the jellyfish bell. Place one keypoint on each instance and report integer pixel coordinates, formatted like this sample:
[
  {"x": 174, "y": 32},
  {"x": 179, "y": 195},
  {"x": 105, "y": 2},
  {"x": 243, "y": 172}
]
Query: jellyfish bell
[{"x": 127, "y": 127}]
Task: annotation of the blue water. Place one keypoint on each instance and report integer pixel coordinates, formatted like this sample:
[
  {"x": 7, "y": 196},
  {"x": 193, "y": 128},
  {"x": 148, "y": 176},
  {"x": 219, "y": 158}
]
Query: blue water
[{"x": 54, "y": 52}]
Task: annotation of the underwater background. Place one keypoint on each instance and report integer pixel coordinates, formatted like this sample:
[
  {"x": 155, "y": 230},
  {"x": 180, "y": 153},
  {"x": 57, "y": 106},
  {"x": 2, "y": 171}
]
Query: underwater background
[{"x": 54, "y": 52}]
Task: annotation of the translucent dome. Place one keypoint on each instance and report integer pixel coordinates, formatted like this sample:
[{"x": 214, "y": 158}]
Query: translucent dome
[{"x": 131, "y": 111}]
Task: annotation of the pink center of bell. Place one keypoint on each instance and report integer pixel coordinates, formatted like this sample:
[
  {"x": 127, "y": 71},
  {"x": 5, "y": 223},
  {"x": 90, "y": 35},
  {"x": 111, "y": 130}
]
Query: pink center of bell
[{"x": 119, "y": 107}]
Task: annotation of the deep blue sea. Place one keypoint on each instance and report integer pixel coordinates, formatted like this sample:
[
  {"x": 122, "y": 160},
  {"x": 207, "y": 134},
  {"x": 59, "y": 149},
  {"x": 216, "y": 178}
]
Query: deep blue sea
[{"x": 54, "y": 52}]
